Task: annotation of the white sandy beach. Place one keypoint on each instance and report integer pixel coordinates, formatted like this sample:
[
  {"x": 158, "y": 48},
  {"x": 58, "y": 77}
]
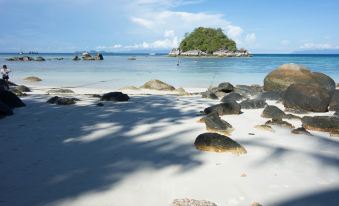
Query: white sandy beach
[{"x": 141, "y": 153}]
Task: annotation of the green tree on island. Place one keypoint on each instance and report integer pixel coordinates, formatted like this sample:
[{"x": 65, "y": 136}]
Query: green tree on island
[{"x": 207, "y": 40}]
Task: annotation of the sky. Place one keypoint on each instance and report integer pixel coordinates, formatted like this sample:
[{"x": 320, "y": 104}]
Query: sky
[{"x": 261, "y": 26}]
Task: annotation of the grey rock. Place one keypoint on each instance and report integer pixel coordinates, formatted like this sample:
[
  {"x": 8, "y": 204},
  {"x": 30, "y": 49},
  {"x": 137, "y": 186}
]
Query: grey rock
[
  {"x": 60, "y": 91},
  {"x": 245, "y": 90},
  {"x": 321, "y": 123},
  {"x": 33, "y": 79},
  {"x": 209, "y": 95},
  {"x": 233, "y": 96},
  {"x": 225, "y": 87},
  {"x": 62, "y": 100},
  {"x": 215, "y": 124},
  {"x": 40, "y": 59},
  {"x": 271, "y": 95},
  {"x": 273, "y": 112},
  {"x": 224, "y": 108},
  {"x": 23, "y": 88},
  {"x": 115, "y": 96},
  {"x": 301, "y": 130},
  {"x": 334, "y": 103},
  {"x": 279, "y": 122},
  {"x": 10, "y": 99},
  {"x": 253, "y": 104},
  {"x": 158, "y": 85}
]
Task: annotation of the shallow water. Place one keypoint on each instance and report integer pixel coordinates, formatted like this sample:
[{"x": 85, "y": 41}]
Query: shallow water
[{"x": 117, "y": 71}]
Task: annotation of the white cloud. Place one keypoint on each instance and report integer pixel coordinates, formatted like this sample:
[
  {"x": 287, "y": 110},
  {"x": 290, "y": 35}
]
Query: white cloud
[
  {"x": 285, "y": 43},
  {"x": 250, "y": 38},
  {"x": 143, "y": 22},
  {"x": 311, "y": 45}
]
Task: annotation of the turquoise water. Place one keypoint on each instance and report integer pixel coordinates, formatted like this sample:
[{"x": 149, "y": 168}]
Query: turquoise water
[{"x": 117, "y": 71}]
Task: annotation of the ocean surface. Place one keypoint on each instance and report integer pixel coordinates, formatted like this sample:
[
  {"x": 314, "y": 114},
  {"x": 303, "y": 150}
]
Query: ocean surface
[{"x": 116, "y": 71}]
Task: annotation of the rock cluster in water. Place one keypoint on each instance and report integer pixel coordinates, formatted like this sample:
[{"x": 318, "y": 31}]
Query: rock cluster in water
[{"x": 220, "y": 53}]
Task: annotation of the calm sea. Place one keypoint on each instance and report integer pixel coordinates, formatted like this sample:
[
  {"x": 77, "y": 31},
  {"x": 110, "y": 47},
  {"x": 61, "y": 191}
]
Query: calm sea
[{"x": 117, "y": 71}]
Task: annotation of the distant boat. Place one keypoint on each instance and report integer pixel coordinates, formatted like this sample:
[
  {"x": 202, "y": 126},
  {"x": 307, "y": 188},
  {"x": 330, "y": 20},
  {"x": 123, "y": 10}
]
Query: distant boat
[
  {"x": 21, "y": 52},
  {"x": 132, "y": 58}
]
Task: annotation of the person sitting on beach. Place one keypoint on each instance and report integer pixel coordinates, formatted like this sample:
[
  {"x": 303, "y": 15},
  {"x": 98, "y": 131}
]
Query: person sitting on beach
[{"x": 5, "y": 71}]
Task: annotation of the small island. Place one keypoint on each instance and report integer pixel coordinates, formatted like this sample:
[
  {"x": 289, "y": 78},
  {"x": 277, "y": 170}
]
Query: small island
[{"x": 208, "y": 42}]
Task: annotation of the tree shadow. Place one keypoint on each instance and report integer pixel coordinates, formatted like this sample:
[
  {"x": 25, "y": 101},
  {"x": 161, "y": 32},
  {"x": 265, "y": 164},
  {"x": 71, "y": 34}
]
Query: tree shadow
[{"x": 65, "y": 151}]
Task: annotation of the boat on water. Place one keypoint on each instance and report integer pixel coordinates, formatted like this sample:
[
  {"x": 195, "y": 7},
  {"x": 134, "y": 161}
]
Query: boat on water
[{"x": 132, "y": 58}]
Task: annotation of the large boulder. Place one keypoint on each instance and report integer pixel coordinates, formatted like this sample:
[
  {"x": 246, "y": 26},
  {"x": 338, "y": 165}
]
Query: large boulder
[
  {"x": 115, "y": 96},
  {"x": 76, "y": 58},
  {"x": 32, "y": 79},
  {"x": 232, "y": 97},
  {"x": 209, "y": 95},
  {"x": 158, "y": 85},
  {"x": 40, "y": 59},
  {"x": 10, "y": 99},
  {"x": 279, "y": 122},
  {"x": 99, "y": 56},
  {"x": 5, "y": 110},
  {"x": 225, "y": 87},
  {"x": 215, "y": 124},
  {"x": 23, "y": 88},
  {"x": 62, "y": 100},
  {"x": 214, "y": 142},
  {"x": 245, "y": 90},
  {"x": 273, "y": 112},
  {"x": 224, "y": 108},
  {"x": 321, "y": 123},
  {"x": 334, "y": 103},
  {"x": 271, "y": 95},
  {"x": 307, "y": 97},
  {"x": 253, "y": 104},
  {"x": 285, "y": 75}
]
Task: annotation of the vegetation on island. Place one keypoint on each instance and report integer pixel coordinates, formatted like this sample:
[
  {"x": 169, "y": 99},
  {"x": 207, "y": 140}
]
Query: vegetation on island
[{"x": 207, "y": 40}]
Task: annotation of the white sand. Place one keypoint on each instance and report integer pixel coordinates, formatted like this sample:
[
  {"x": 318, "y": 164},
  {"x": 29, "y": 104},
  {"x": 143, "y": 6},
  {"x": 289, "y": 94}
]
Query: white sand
[{"x": 141, "y": 153}]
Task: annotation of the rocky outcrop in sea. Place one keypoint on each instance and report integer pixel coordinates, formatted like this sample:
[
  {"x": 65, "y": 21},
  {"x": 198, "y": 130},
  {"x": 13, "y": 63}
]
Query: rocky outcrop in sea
[{"x": 220, "y": 53}]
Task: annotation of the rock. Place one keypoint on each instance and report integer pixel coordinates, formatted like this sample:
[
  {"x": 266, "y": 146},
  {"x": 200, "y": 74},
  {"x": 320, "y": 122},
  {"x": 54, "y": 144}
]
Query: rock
[
  {"x": 264, "y": 127},
  {"x": 214, "y": 142},
  {"x": 307, "y": 97},
  {"x": 334, "y": 103},
  {"x": 253, "y": 104},
  {"x": 301, "y": 130},
  {"x": 233, "y": 97},
  {"x": 60, "y": 91},
  {"x": 296, "y": 110},
  {"x": 245, "y": 90},
  {"x": 256, "y": 204},
  {"x": 131, "y": 58},
  {"x": 100, "y": 104},
  {"x": 115, "y": 96},
  {"x": 40, "y": 59},
  {"x": 225, "y": 87},
  {"x": 224, "y": 108},
  {"x": 334, "y": 134},
  {"x": 96, "y": 96},
  {"x": 76, "y": 58},
  {"x": 285, "y": 75},
  {"x": 321, "y": 123},
  {"x": 99, "y": 56},
  {"x": 273, "y": 112},
  {"x": 87, "y": 56},
  {"x": 17, "y": 92},
  {"x": 220, "y": 94},
  {"x": 62, "y": 100},
  {"x": 181, "y": 92},
  {"x": 33, "y": 79},
  {"x": 271, "y": 95},
  {"x": 21, "y": 58},
  {"x": 158, "y": 85},
  {"x": 279, "y": 122},
  {"x": 5, "y": 110},
  {"x": 192, "y": 202},
  {"x": 10, "y": 99},
  {"x": 209, "y": 95},
  {"x": 23, "y": 88},
  {"x": 215, "y": 124},
  {"x": 129, "y": 88},
  {"x": 291, "y": 116}
]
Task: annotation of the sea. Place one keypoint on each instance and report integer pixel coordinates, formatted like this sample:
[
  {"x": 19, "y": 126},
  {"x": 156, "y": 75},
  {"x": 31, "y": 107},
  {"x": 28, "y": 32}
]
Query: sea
[{"x": 116, "y": 70}]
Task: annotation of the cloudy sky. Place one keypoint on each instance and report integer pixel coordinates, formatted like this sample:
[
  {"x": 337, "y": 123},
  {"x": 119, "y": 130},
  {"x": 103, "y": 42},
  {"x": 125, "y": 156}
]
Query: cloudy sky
[{"x": 262, "y": 26}]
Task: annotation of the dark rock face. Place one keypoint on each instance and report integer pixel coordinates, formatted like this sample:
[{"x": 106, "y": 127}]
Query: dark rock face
[
  {"x": 209, "y": 95},
  {"x": 99, "y": 56},
  {"x": 62, "y": 100},
  {"x": 232, "y": 97},
  {"x": 23, "y": 88},
  {"x": 21, "y": 58},
  {"x": 214, "y": 142},
  {"x": 253, "y": 104},
  {"x": 285, "y": 75},
  {"x": 321, "y": 123},
  {"x": 115, "y": 96},
  {"x": 224, "y": 108},
  {"x": 273, "y": 112},
  {"x": 334, "y": 103},
  {"x": 279, "y": 122},
  {"x": 301, "y": 130},
  {"x": 215, "y": 124},
  {"x": 17, "y": 92},
  {"x": 40, "y": 59},
  {"x": 76, "y": 58},
  {"x": 225, "y": 87},
  {"x": 5, "y": 110},
  {"x": 158, "y": 85},
  {"x": 307, "y": 97},
  {"x": 245, "y": 90},
  {"x": 60, "y": 91},
  {"x": 271, "y": 95},
  {"x": 10, "y": 99}
]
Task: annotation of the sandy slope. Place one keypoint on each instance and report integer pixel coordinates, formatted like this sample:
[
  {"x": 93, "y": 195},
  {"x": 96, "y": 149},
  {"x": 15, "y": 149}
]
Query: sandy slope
[{"x": 141, "y": 153}]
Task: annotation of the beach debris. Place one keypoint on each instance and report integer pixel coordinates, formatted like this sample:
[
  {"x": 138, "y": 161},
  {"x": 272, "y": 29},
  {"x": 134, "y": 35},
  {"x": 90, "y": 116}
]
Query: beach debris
[
  {"x": 273, "y": 112},
  {"x": 321, "y": 123},
  {"x": 224, "y": 108},
  {"x": 285, "y": 75},
  {"x": 301, "y": 130},
  {"x": 209, "y": 95},
  {"x": 233, "y": 96},
  {"x": 248, "y": 90},
  {"x": 10, "y": 99},
  {"x": 214, "y": 142},
  {"x": 215, "y": 124},
  {"x": 279, "y": 122},
  {"x": 156, "y": 84},
  {"x": 32, "y": 79},
  {"x": 253, "y": 104},
  {"x": 334, "y": 103},
  {"x": 62, "y": 100},
  {"x": 23, "y": 88},
  {"x": 115, "y": 96},
  {"x": 60, "y": 91},
  {"x": 76, "y": 58},
  {"x": 264, "y": 127},
  {"x": 5, "y": 110},
  {"x": 192, "y": 202}
]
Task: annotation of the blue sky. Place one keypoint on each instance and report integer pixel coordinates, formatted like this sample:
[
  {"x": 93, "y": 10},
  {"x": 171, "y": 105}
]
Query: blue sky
[{"x": 262, "y": 26}]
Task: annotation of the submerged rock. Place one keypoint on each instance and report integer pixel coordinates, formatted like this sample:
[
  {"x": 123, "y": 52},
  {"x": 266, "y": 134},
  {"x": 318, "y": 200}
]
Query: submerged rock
[
  {"x": 158, "y": 85},
  {"x": 214, "y": 142},
  {"x": 253, "y": 104},
  {"x": 273, "y": 112},
  {"x": 285, "y": 75},
  {"x": 115, "y": 96},
  {"x": 307, "y": 97},
  {"x": 33, "y": 79},
  {"x": 215, "y": 124},
  {"x": 192, "y": 202},
  {"x": 301, "y": 130},
  {"x": 279, "y": 122},
  {"x": 10, "y": 99},
  {"x": 60, "y": 91},
  {"x": 62, "y": 100},
  {"x": 321, "y": 123},
  {"x": 224, "y": 108}
]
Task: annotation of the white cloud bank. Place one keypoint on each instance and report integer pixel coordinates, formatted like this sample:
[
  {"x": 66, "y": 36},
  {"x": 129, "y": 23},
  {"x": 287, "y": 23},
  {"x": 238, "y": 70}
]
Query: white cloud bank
[{"x": 311, "y": 45}]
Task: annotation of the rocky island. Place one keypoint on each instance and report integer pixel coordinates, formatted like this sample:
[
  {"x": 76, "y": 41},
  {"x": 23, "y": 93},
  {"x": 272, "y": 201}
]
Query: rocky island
[{"x": 208, "y": 42}]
